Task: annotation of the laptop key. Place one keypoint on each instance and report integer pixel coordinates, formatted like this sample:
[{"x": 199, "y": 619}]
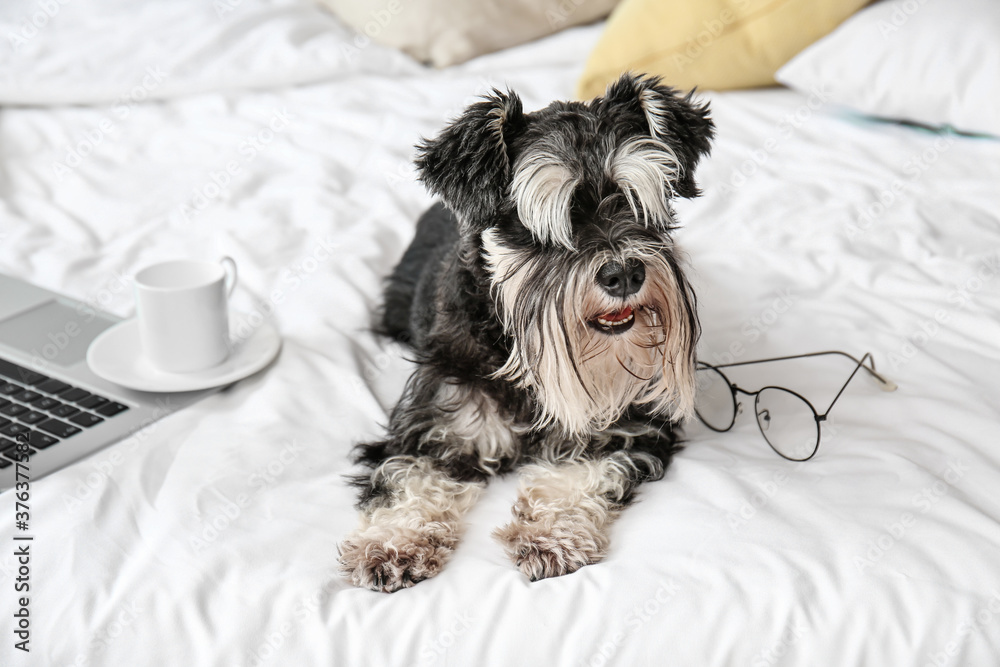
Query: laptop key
[
  {"x": 86, "y": 419},
  {"x": 9, "y": 388},
  {"x": 14, "y": 429},
  {"x": 57, "y": 428},
  {"x": 63, "y": 410},
  {"x": 15, "y": 454},
  {"x": 40, "y": 440},
  {"x": 8, "y": 369},
  {"x": 27, "y": 396},
  {"x": 33, "y": 378},
  {"x": 4, "y": 402},
  {"x": 19, "y": 373},
  {"x": 33, "y": 417},
  {"x": 75, "y": 395},
  {"x": 4, "y": 421},
  {"x": 94, "y": 401},
  {"x": 14, "y": 409},
  {"x": 112, "y": 409},
  {"x": 53, "y": 386},
  {"x": 45, "y": 403}
]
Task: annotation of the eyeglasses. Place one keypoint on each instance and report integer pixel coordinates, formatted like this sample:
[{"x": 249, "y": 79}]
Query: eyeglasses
[{"x": 789, "y": 423}]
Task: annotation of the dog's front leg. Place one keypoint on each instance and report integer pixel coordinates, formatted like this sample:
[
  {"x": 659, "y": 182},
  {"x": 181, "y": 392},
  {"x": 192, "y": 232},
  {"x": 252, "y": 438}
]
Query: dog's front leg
[
  {"x": 564, "y": 511},
  {"x": 410, "y": 527}
]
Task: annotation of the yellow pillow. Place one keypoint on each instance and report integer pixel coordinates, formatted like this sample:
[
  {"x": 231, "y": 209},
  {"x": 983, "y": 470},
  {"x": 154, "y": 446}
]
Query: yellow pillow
[{"x": 715, "y": 44}]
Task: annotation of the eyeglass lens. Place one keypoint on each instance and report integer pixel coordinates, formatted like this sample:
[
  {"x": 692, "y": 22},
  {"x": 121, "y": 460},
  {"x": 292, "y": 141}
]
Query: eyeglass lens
[
  {"x": 714, "y": 399},
  {"x": 788, "y": 423}
]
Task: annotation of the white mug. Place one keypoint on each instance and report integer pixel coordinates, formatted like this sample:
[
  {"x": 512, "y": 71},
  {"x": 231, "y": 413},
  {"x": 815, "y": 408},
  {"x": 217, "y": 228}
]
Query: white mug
[{"x": 183, "y": 313}]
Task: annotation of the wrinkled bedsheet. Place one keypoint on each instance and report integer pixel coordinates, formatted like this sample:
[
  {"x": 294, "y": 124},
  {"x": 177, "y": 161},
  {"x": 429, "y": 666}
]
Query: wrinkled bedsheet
[{"x": 134, "y": 132}]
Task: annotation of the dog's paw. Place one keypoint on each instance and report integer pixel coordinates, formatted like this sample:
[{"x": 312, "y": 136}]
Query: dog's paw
[
  {"x": 541, "y": 551},
  {"x": 388, "y": 560}
]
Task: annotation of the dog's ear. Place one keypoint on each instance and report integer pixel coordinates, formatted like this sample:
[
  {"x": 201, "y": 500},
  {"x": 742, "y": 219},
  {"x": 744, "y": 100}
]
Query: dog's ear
[
  {"x": 469, "y": 163},
  {"x": 677, "y": 120}
]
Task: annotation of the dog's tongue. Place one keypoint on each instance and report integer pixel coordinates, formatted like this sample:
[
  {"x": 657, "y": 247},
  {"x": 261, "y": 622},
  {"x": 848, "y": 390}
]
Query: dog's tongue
[{"x": 617, "y": 316}]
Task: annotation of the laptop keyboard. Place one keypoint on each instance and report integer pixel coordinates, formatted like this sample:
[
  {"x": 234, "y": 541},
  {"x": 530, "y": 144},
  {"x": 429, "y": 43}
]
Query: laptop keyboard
[{"x": 44, "y": 411}]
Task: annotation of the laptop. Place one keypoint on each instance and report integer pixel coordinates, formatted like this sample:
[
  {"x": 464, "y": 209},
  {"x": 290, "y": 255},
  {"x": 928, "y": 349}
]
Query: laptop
[{"x": 49, "y": 398}]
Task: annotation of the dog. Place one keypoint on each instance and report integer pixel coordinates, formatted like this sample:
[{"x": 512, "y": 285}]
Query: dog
[{"x": 552, "y": 325}]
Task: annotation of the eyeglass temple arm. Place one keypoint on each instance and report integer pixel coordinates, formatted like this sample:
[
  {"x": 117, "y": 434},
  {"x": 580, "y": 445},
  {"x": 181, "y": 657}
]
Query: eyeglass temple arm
[{"x": 884, "y": 383}]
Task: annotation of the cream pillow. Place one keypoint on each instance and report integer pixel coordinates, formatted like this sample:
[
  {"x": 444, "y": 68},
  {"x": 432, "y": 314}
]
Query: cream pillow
[
  {"x": 714, "y": 44},
  {"x": 448, "y": 32}
]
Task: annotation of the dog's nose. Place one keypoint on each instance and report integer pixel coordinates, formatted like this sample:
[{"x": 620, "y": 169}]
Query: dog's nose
[{"x": 622, "y": 280}]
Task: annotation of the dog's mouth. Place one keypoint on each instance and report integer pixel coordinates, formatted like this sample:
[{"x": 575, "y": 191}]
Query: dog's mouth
[{"x": 615, "y": 322}]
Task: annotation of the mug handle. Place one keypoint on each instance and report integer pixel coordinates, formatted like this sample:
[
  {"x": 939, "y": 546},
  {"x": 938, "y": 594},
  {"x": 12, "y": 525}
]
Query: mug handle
[{"x": 229, "y": 266}]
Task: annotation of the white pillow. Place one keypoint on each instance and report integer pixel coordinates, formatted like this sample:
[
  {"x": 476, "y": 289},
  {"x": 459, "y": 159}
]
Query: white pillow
[{"x": 935, "y": 62}]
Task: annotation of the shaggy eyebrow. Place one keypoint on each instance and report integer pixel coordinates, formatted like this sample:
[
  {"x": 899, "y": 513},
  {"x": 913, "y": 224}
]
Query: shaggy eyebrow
[
  {"x": 645, "y": 169},
  {"x": 543, "y": 189}
]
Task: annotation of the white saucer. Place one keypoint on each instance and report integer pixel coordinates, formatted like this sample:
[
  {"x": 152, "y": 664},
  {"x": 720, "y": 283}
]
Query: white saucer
[{"x": 116, "y": 355}]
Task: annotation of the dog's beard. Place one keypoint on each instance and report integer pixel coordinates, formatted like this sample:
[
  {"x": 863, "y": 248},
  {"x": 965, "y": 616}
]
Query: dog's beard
[{"x": 585, "y": 374}]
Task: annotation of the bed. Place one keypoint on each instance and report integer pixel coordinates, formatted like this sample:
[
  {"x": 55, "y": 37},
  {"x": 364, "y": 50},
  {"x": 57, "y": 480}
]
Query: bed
[{"x": 210, "y": 538}]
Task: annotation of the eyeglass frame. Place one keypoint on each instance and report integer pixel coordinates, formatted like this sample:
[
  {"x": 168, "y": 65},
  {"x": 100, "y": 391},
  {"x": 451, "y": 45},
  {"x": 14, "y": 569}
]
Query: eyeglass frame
[{"x": 884, "y": 384}]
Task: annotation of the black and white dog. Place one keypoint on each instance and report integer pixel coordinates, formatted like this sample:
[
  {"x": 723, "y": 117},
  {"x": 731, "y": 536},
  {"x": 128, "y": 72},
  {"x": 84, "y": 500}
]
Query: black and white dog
[{"x": 553, "y": 327}]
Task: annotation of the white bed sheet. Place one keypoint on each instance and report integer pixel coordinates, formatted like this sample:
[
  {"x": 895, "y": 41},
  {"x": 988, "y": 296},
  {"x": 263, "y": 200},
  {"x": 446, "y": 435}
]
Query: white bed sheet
[{"x": 210, "y": 538}]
